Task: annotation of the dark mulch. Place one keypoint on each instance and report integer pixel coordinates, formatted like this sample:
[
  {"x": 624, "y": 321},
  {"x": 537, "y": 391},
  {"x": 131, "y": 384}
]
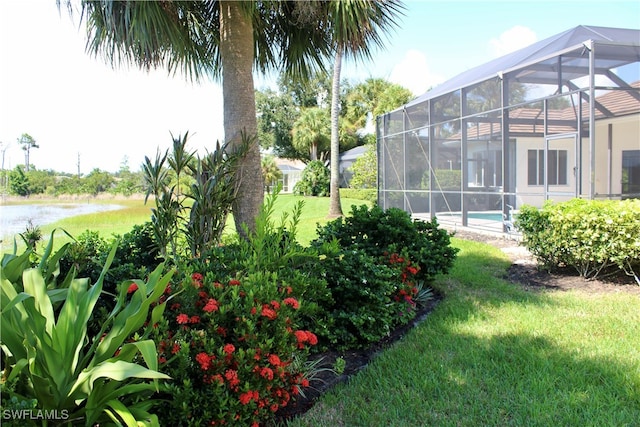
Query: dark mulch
[{"x": 524, "y": 272}]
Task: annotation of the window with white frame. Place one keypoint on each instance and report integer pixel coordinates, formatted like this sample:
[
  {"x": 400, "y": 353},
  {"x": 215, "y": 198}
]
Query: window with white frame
[{"x": 556, "y": 167}]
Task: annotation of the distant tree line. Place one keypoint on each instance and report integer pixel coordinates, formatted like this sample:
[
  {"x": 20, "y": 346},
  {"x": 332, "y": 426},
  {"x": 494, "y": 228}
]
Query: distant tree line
[{"x": 22, "y": 182}]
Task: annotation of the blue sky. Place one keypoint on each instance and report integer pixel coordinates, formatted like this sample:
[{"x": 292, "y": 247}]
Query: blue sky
[{"x": 74, "y": 104}]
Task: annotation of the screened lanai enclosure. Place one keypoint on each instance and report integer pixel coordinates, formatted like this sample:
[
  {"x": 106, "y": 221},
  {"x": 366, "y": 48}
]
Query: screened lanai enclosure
[{"x": 553, "y": 121}]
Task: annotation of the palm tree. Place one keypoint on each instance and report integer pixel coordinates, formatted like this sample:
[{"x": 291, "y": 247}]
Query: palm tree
[
  {"x": 271, "y": 173},
  {"x": 354, "y": 26},
  {"x": 220, "y": 38},
  {"x": 310, "y": 132}
]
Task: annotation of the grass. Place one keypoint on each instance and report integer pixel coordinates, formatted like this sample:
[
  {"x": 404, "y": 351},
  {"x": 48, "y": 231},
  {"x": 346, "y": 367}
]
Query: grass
[
  {"x": 492, "y": 354},
  {"x": 134, "y": 211}
]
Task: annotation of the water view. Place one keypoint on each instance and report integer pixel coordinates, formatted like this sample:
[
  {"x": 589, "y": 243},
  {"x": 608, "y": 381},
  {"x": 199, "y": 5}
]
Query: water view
[{"x": 14, "y": 218}]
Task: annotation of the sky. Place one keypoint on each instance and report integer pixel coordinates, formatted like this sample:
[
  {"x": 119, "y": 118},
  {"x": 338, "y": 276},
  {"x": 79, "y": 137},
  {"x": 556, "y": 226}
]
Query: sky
[{"x": 84, "y": 114}]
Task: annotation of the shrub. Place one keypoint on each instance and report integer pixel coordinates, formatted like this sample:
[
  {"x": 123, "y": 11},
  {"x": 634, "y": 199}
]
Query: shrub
[
  {"x": 315, "y": 180},
  {"x": 370, "y": 296},
  {"x": 234, "y": 334},
  {"x": 51, "y": 358},
  {"x": 236, "y": 347},
  {"x": 368, "y": 194},
  {"x": 595, "y": 237},
  {"x": 378, "y": 232}
]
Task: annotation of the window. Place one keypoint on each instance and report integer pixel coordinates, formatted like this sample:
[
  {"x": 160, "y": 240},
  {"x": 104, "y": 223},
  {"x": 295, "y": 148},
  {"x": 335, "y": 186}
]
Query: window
[
  {"x": 630, "y": 173},
  {"x": 557, "y": 167}
]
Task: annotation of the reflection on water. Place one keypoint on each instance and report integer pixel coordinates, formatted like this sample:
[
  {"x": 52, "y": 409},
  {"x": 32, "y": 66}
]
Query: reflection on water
[{"x": 14, "y": 218}]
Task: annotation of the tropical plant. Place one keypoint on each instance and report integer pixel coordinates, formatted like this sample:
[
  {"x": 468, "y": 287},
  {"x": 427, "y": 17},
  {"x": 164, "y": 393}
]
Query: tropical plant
[
  {"x": 213, "y": 191},
  {"x": 221, "y": 38},
  {"x": 310, "y": 132},
  {"x": 234, "y": 334},
  {"x": 270, "y": 172},
  {"x": 49, "y": 357},
  {"x": 354, "y": 26}
]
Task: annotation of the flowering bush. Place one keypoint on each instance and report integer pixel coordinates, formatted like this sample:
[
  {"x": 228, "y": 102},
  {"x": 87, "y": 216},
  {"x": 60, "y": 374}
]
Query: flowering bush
[
  {"x": 234, "y": 348},
  {"x": 370, "y": 296}
]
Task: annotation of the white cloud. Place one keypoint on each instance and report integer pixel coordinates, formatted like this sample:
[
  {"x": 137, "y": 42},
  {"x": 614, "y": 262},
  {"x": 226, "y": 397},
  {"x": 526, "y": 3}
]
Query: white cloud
[
  {"x": 413, "y": 73},
  {"x": 511, "y": 40}
]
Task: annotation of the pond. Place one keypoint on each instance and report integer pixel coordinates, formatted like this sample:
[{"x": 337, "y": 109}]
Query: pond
[{"x": 14, "y": 218}]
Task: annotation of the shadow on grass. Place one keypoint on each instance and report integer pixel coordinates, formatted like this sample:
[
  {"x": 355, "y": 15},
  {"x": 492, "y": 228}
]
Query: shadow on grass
[{"x": 472, "y": 363}]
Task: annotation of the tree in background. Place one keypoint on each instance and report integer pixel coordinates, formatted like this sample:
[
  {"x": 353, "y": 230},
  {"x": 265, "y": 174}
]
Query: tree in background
[
  {"x": 310, "y": 132},
  {"x": 270, "y": 172},
  {"x": 27, "y": 142},
  {"x": 372, "y": 98},
  {"x": 365, "y": 169},
  {"x": 18, "y": 182}
]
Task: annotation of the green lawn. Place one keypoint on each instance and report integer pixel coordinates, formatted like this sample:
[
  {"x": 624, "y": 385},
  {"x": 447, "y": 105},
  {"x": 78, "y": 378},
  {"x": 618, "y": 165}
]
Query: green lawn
[{"x": 492, "y": 354}]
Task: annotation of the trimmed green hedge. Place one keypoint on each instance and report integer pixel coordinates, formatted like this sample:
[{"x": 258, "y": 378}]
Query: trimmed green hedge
[
  {"x": 596, "y": 237},
  {"x": 368, "y": 194}
]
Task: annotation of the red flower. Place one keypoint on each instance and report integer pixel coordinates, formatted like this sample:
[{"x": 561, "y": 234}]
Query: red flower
[
  {"x": 182, "y": 319},
  {"x": 132, "y": 288},
  {"x": 305, "y": 336},
  {"x": 274, "y": 360},
  {"x": 245, "y": 398},
  {"x": 232, "y": 376},
  {"x": 266, "y": 373},
  {"x": 212, "y": 305},
  {"x": 204, "y": 360},
  {"x": 304, "y": 383},
  {"x": 234, "y": 282},
  {"x": 253, "y": 310},
  {"x": 292, "y": 302},
  {"x": 194, "y": 319},
  {"x": 229, "y": 348},
  {"x": 221, "y": 331},
  {"x": 269, "y": 313},
  {"x": 312, "y": 338},
  {"x": 175, "y": 348},
  {"x": 275, "y": 305},
  {"x": 289, "y": 290}
]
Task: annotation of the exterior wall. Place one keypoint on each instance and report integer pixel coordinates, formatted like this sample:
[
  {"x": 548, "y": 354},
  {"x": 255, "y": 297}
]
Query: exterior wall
[{"x": 625, "y": 136}]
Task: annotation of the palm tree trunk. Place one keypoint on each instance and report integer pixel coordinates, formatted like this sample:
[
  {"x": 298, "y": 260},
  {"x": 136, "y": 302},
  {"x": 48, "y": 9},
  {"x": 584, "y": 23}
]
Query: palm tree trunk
[
  {"x": 335, "y": 209},
  {"x": 237, "y": 53}
]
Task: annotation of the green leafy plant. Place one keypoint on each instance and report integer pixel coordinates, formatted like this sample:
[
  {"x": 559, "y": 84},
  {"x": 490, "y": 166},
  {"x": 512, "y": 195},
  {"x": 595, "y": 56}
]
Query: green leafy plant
[
  {"x": 314, "y": 181},
  {"x": 596, "y": 237},
  {"x": 180, "y": 228},
  {"x": 380, "y": 232},
  {"x": 48, "y": 355}
]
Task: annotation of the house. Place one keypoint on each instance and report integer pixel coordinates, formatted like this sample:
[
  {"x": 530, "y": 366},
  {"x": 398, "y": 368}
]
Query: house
[
  {"x": 291, "y": 173},
  {"x": 553, "y": 121}
]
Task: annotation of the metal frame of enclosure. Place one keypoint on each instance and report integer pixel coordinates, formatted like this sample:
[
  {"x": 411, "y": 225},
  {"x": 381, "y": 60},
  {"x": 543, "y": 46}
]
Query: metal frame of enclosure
[{"x": 553, "y": 121}]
